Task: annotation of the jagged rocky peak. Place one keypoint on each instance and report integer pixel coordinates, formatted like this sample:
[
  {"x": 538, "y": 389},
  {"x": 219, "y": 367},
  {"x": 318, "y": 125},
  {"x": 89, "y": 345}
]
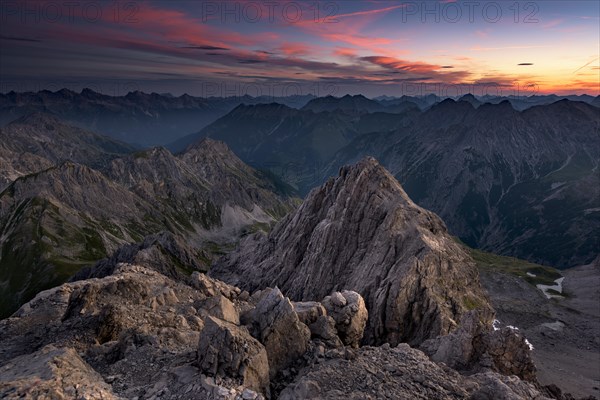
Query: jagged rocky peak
[
  {"x": 234, "y": 181},
  {"x": 156, "y": 161},
  {"x": 358, "y": 103},
  {"x": 209, "y": 146},
  {"x": 212, "y": 155},
  {"x": 361, "y": 231}
]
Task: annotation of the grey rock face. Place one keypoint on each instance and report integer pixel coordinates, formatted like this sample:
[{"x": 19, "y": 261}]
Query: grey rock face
[
  {"x": 500, "y": 387},
  {"x": 324, "y": 328},
  {"x": 473, "y": 346},
  {"x": 164, "y": 252},
  {"x": 277, "y": 326},
  {"x": 220, "y": 307},
  {"x": 509, "y": 353},
  {"x": 52, "y": 373},
  {"x": 309, "y": 311},
  {"x": 228, "y": 350},
  {"x": 138, "y": 333},
  {"x": 350, "y": 315},
  {"x": 361, "y": 232},
  {"x": 399, "y": 373},
  {"x": 137, "y": 328}
]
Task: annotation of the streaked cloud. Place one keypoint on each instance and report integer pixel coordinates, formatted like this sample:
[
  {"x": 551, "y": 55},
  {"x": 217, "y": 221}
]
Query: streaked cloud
[{"x": 364, "y": 44}]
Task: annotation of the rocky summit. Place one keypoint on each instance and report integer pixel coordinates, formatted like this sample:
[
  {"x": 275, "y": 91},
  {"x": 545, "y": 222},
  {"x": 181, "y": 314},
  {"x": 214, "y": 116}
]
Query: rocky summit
[{"x": 360, "y": 231}]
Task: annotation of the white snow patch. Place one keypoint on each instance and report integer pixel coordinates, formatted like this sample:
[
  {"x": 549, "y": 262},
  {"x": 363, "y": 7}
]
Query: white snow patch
[
  {"x": 528, "y": 343},
  {"x": 557, "y": 287},
  {"x": 495, "y": 325},
  {"x": 532, "y": 275}
]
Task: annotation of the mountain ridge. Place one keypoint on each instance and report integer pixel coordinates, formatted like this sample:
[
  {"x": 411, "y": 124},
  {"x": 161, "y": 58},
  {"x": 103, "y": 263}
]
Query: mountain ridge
[{"x": 62, "y": 215}]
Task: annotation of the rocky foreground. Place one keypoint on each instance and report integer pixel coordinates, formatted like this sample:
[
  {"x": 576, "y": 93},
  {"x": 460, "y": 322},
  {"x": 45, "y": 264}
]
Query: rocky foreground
[
  {"x": 358, "y": 294},
  {"x": 139, "y": 334}
]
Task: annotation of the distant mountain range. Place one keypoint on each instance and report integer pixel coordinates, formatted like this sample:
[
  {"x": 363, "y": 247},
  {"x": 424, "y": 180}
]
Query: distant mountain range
[
  {"x": 297, "y": 144},
  {"x": 520, "y": 183},
  {"x": 137, "y": 118},
  {"x": 146, "y": 120}
]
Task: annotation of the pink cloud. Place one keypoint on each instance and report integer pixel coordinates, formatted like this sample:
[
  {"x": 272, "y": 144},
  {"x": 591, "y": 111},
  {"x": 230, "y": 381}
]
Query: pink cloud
[
  {"x": 294, "y": 49},
  {"x": 552, "y": 23},
  {"x": 345, "y": 52}
]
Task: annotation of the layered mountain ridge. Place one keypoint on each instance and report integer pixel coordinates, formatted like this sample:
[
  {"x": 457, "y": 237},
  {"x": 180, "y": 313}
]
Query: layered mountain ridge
[
  {"x": 144, "y": 119},
  {"x": 505, "y": 181},
  {"x": 41, "y": 140}
]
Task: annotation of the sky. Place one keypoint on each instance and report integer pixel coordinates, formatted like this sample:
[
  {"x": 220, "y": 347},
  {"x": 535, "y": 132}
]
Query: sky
[{"x": 279, "y": 48}]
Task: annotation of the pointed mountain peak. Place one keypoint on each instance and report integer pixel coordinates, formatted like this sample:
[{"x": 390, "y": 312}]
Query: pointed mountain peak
[
  {"x": 448, "y": 112},
  {"x": 469, "y": 98},
  {"x": 213, "y": 155},
  {"x": 209, "y": 145},
  {"x": 154, "y": 153},
  {"x": 346, "y": 103},
  {"x": 490, "y": 108},
  {"x": 66, "y": 93},
  {"x": 87, "y": 92},
  {"x": 137, "y": 94},
  {"x": 369, "y": 175},
  {"x": 446, "y": 102},
  {"x": 361, "y": 232}
]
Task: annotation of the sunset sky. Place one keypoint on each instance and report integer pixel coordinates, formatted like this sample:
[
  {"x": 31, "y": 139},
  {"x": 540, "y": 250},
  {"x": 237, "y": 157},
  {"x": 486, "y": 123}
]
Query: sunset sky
[{"x": 278, "y": 48}]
